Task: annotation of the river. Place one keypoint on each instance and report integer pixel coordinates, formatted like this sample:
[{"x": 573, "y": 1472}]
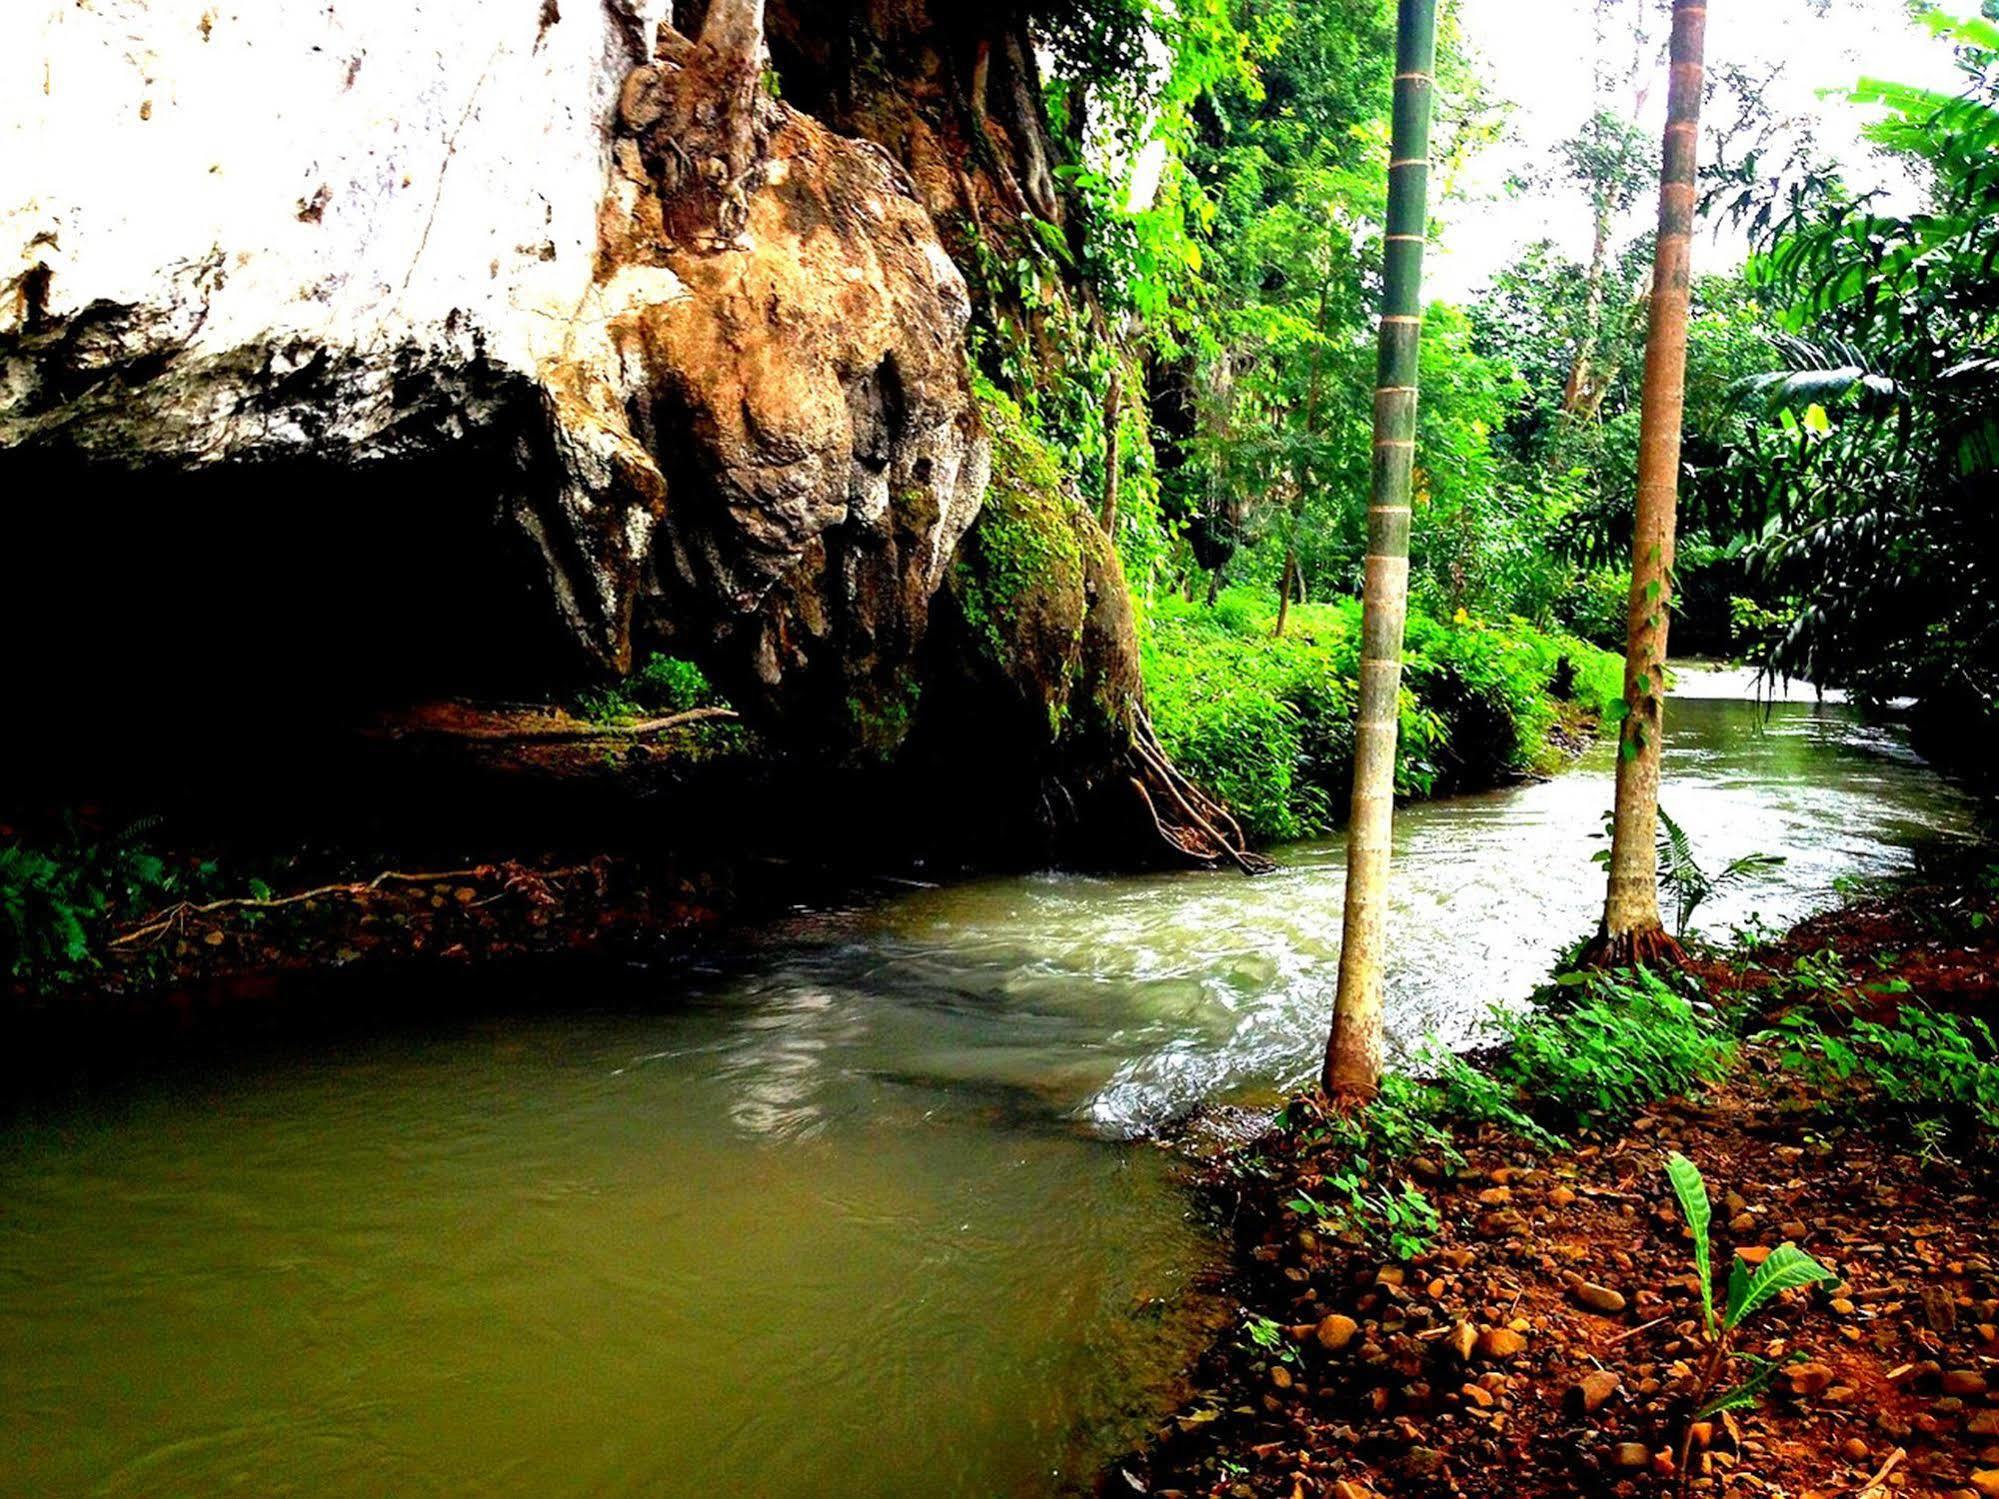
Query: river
[{"x": 866, "y": 1207}]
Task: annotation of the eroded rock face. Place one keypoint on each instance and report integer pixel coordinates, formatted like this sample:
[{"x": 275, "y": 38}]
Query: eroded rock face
[
  {"x": 368, "y": 237},
  {"x": 830, "y": 458}
]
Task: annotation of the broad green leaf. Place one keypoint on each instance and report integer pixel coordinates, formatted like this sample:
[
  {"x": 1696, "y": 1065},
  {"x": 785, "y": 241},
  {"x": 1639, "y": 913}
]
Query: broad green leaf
[
  {"x": 1692, "y": 1192},
  {"x": 1739, "y": 1271},
  {"x": 1746, "y": 1394},
  {"x": 1787, "y": 1268}
]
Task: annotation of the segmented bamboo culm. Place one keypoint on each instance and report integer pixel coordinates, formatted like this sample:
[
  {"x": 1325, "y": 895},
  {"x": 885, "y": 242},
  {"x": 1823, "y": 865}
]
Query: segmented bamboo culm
[{"x": 1353, "y": 1051}]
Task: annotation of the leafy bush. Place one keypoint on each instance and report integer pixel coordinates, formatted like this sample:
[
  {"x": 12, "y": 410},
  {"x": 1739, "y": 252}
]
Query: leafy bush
[
  {"x": 1595, "y": 606},
  {"x": 664, "y": 684},
  {"x": 1267, "y": 723},
  {"x": 57, "y": 901},
  {"x": 1937, "y": 1070},
  {"x": 1594, "y": 1057},
  {"x": 1362, "y": 1189}
]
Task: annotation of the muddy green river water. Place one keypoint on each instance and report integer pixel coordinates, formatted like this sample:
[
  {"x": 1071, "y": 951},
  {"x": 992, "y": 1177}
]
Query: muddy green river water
[{"x": 865, "y": 1208}]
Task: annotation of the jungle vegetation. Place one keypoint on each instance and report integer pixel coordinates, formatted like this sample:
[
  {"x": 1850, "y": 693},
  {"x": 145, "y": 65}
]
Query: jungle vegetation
[{"x": 1835, "y": 477}]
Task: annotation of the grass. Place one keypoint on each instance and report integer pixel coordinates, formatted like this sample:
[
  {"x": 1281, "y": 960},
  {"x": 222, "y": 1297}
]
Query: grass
[{"x": 1266, "y": 723}]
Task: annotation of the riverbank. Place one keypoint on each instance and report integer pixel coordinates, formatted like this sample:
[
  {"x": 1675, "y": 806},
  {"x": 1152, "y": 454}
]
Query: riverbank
[
  {"x": 1492, "y": 1291},
  {"x": 629, "y": 823},
  {"x": 1265, "y": 722}
]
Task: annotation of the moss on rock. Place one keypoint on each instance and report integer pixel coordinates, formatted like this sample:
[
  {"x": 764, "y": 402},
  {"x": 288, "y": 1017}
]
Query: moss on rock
[{"x": 1040, "y": 593}]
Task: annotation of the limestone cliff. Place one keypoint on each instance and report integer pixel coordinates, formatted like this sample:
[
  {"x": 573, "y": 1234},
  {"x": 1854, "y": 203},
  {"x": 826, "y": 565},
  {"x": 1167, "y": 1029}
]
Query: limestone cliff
[{"x": 423, "y": 343}]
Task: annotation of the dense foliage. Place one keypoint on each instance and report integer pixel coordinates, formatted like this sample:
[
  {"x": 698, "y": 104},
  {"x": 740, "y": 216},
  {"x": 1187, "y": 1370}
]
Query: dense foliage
[
  {"x": 1213, "y": 303},
  {"x": 1266, "y": 723},
  {"x": 1881, "y": 468}
]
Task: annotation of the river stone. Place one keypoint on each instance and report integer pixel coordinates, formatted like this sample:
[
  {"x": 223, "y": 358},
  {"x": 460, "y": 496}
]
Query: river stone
[
  {"x": 1597, "y": 1298},
  {"x": 1963, "y": 1382},
  {"x": 1593, "y": 1389},
  {"x": 1500, "y": 1343},
  {"x": 1336, "y": 1331}
]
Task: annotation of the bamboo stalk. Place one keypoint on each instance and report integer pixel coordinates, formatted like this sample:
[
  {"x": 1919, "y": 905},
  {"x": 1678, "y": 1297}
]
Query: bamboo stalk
[{"x": 1353, "y": 1051}]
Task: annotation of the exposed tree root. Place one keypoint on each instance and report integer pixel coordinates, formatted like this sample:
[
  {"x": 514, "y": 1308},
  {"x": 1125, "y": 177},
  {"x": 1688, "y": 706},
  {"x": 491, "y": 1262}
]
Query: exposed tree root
[
  {"x": 1649, "y": 947},
  {"x": 1209, "y": 833},
  {"x": 531, "y": 884}
]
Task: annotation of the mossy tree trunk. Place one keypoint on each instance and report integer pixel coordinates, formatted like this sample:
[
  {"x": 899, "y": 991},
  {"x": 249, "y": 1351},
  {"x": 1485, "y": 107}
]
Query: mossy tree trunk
[
  {"x": 1352, "y": 1073},
  {"x": 1632, "y": 930}
]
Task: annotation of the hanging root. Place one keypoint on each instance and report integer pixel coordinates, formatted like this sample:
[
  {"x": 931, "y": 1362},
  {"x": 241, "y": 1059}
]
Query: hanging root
[
  {"x": 1194, "y": 825},
  {"x": 1650, "y": 947}
]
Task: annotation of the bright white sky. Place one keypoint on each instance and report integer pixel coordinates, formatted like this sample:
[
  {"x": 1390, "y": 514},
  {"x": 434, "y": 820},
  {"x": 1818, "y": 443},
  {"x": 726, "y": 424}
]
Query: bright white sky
[{"x": 1539, "y": 56}]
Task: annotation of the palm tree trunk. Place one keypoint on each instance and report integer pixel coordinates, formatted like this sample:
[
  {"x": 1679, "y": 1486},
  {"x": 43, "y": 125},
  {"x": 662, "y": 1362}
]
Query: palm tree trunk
[
  {"x": 1353, "y": 1052},
  {"x": 1632, "y": 931}
]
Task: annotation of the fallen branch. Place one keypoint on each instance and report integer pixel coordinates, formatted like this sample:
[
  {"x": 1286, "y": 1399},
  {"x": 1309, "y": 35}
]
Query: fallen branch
[
  {"x": 1873, "y": 1484},
  {"x": 571, "y": 734},
  {"x": 180, "y": 911}
]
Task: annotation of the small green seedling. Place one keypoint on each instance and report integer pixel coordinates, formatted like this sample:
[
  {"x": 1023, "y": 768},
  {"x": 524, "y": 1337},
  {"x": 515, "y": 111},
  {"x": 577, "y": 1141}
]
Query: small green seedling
[{"x": 1749, "y": 1290}]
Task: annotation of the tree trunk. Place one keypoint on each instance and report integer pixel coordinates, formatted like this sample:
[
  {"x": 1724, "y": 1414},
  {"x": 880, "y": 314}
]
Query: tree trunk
[
  {"x": 1302, "y": 472},
  {"x": 1576, "y": 395},
  {"x": 1632, "y": 931},
  {"x": 1353, "y": 1052},
  {"x": 1113, "y": 419}
]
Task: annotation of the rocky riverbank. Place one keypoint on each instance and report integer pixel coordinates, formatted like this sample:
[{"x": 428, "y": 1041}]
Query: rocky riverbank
[{"x": 1545, "y": 1334}]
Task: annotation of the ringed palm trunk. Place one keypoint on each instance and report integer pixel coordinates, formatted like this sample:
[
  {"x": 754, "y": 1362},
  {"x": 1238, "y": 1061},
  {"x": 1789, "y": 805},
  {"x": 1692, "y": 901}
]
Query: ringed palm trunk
[
  {"x": 1352, "y": 1073},
  {"x": 1632, "y": 931}
]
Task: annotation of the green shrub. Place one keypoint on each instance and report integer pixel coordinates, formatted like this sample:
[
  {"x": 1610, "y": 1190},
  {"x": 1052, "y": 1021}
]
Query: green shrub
[
  {"x": 664, "y": 684},
  {"x": 57, "y": 901},
  {"x": 1596, "y": 606},
  {"x": 1938, "y": 1071},
  {"x": 1267, "y": 724},
  {"x": 1601, "y": 1048}
]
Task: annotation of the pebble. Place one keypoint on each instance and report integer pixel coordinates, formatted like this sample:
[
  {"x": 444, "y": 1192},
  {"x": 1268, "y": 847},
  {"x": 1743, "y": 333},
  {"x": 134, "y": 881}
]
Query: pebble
[
  {"x": 1963, "y": 1382},
  {"x": 1336, "y": 1332},
  {"x": 1421, "y": 1462},
  {"x": 1808, "y": 1379},
  {"x": 1561, "y": 1197},
  {"x": 1597, "y": 1298},
  {"x": 1500, "y": 1343},
  {"x": 1630, "y": 1455},
  {"x": 1986, "y": 1481},
  {"x": 1593, "y": 1389}
]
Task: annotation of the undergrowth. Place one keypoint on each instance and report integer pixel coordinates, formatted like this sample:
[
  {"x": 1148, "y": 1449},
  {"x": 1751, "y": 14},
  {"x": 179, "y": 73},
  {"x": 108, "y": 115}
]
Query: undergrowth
[
  {"x": 664, "y": 684},
  {"x": 1266, "y": 723},
  {"x": 1595, "y": 1049},
  {"x": 1590, "y": 1054},
  {"x": 61, "y": 894}
]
